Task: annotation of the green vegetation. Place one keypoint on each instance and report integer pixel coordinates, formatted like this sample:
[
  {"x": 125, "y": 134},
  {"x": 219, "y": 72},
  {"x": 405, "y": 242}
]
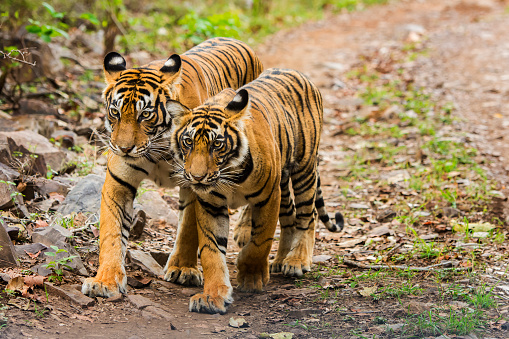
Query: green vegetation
[
  {"x": 180, "y": 25},
  {"x": 58, "y": 265}
]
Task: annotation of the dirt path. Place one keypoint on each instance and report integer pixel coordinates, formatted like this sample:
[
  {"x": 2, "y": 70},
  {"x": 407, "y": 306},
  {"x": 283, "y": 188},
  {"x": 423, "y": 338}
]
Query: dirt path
[{"x": 467, "y": 63}]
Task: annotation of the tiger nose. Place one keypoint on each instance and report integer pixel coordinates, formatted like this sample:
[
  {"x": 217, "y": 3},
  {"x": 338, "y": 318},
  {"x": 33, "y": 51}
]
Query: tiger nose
[
  {"x": 126, "y": 149},
  {"x": 197, "y": 177}
]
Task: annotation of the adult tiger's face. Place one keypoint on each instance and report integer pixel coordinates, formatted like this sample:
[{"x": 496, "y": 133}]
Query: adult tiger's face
[
  {"x": 211, "y": 141},
  {"x": 135, "y": 102}
]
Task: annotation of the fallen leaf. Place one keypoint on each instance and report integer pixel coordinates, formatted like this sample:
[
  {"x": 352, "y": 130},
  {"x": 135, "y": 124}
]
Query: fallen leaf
[
  {"x": 238, "y": 322},
  {"x": 57, "y": 196},
  {"x": 33, "y": 255},
  {"x": 40, "y": 223},
  {"x": 16, "y": 284},
  {"x": 94, "y": 230},
  {"x": 368, "y": 291},
  {"x": 37, "y": 280}
]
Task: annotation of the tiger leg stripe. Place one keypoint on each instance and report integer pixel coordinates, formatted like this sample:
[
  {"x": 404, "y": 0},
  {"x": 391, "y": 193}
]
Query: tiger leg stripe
[{"x": 212, "y": 238}]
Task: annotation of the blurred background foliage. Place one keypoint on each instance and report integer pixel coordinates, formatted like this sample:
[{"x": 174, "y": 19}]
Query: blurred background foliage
[{"x": 160, "y": 25}]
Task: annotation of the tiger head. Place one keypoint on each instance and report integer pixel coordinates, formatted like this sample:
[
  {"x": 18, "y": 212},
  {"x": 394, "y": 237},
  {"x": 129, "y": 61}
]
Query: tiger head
[
  {"x": 210, "y": 141},
  {"x": 135, "y": 102}
]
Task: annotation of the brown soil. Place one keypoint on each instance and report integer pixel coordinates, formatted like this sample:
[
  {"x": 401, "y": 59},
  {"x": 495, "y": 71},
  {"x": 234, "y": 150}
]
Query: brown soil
[{"x": 468, "y": 63}]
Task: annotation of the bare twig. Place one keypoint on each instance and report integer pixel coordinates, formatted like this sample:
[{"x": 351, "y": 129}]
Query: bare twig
[
  {"x": 393, "y": 249},
  {"x": 409, "y": 268},
  {"x": 22, "y": 52}
]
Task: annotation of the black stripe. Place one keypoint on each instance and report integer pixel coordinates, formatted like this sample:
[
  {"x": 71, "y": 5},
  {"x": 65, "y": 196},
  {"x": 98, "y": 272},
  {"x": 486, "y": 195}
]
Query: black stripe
[
  {"x": 139, "y": 169},
  {"x": 121, "y": 182}
]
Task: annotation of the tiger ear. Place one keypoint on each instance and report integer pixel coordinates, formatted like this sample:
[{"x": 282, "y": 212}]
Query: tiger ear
[
  {"x": 176, "y": 110},
  {"x": 171, "y": 69},
  {"x": 238, "y": 107},
  {"x": 114, "y": 64}
]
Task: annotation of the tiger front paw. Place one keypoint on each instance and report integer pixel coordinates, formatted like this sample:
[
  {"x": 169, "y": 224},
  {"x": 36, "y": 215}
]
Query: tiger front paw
[
  {"x": 105, "y": 285},
  {"x": 242, "y": 235},
  {"x": 252, "y": 277},
  {"x": 189, "y": 276},
  {"x": 208, "y": 303}
]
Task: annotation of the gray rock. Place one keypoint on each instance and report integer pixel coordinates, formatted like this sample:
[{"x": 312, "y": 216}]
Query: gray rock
[
  {"x": 50, "y": 235},
  {"x": 160, "y": 257},
  {"x": 84, "y": 197},
  {"x": 379, "y": 231},
  {"x": 157, "y": 208},
  {"x": 8, "y": 257},
  {"x": 140, "y": 301},
  {"x": 44, "y": 187},
  {"x": 21, "y": 250},
  {"x": 56, "y": 235},
  {"x": 30, "y": 143},
  {"x": 69, "y": 293},
  {"x": 140, "y": 219},
  {"x": 7, "y": 174},
  {"x": 320, "y": 259},
  {"x": 145, "y": 261}
]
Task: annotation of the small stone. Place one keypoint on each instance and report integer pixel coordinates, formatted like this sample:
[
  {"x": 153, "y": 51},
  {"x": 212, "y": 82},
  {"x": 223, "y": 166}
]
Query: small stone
[
  {"x": 71, "y": 294},
  {"x": 160, "y": 257},
  {"x": 386, "y": 215},
  {"x": 379, "y": 231},
  {"x": 139, "y": 301},
  {"x": 157, "y": 208},
  {"x": 116, "y": 298},
  {"x": 21, "y": 250},
  {"x": 146, "y": 262},
  {"x": 138, "y": 224},
  {"x": 450, "y": 212},
  {"x": 395, "y": 327},
  {"x": 320, "y": 259}
]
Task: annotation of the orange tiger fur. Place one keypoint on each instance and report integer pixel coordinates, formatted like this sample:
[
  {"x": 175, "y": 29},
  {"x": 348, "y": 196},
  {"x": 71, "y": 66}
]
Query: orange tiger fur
[{"x": 136, "y": 101}]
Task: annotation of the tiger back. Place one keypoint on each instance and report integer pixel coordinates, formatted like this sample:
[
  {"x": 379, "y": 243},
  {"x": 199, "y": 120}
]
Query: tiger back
[
  {"x": 138, "y": 121},
  {"x": 243, "y": 148}
]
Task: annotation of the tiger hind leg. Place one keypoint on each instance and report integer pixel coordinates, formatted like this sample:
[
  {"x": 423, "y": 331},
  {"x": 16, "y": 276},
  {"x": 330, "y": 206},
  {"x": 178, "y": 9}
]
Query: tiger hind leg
[
  {"x": 253, "y": 260},
  {"x": 299, "y": 258},
  {"x": 286, "y": 222}
]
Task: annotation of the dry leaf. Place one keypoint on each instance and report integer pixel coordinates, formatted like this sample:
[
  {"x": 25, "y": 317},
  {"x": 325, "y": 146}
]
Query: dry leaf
[
  {"x": 33, "y": 255},
  {"x": 37, "y": 280},
  {"x": 57, "y": 196},
  {"x": 368, "y": 291},
  {"x": 40, "y": 223},
  {"x": 16, "y": 284}
]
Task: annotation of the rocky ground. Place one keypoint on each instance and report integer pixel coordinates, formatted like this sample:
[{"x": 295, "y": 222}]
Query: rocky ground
[{"x": 413, "y": 154}]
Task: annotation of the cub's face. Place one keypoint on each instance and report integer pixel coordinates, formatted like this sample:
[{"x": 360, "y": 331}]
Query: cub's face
[
  {"x": 135, "y": 102},
  {"x": 211, "y": 142}
]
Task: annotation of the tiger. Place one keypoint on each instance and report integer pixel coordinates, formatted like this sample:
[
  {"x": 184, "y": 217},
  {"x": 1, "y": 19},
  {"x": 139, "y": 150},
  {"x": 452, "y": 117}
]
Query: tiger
[
  {"x": 252, "y": 148},
  {"x": 136, "y": 101}
]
